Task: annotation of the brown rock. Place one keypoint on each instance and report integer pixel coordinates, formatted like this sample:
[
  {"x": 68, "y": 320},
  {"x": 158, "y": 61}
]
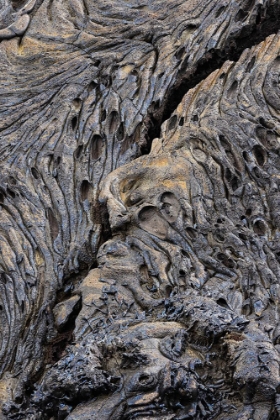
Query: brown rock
[
  {"x": 64, "y": 310},
  {"x": 180, "y": 317}
]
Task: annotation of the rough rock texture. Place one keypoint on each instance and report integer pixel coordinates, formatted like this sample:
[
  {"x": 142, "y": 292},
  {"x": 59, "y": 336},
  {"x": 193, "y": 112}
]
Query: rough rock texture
[{"x": 179, "y": 317}]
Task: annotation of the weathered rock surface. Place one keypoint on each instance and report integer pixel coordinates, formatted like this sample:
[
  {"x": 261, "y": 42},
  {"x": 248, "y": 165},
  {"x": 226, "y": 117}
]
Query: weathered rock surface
[{"x": 179, "y": 319}]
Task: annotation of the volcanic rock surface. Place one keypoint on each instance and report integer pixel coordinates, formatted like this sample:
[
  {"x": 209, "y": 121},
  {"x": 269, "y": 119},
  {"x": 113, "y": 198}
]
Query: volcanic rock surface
[{"x": 139, "y": 209}]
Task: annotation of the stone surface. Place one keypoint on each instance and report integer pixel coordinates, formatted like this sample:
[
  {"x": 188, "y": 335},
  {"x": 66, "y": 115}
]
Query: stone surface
[
  {"x": 179, "y": 316},
  {"x": 63, "y": 312}
]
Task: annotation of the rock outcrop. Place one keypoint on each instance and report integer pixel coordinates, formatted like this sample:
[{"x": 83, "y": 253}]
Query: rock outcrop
[{"x": 139, "y": 199}]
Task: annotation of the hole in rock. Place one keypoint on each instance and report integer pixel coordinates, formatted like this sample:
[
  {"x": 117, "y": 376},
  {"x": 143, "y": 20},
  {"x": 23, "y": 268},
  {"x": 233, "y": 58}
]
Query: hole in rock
[
  {"x": 220, "y": 237},
  {"x": 35, "y": 173},
  {"x": 12, "y": 180},
  {"x": 92, "y": 85},
  {"x": 220, "y": 11},
  {"x": 168, "y": 291},
  {"x": 113, "y": 121},
  {"x": 260, "y": 154},
  {"x": 11, "y": 193},
  {"x": 120, "y": 132},
  {"x": 251, "y": 65},
  {"x": 172, "y": 123},
  {"x": 222, "y": 302},
  {"x": 96, "y": 146},
  {"x": 77, "y": 103},
  {"x": 85, "y": 188},
  {"x": 241, "y": 15},
  {"x": 259, "y": 227},
  {"x": 54, "y": 226},
  {"x": 78, "y": 151},
  {"x": 74, "y": 122},
  {"x": 233, "y": 88},
  {"x": 181, "y": 122},
  {"x": 234, "y": 183},
  {"x": 242, "y": 236},
  {"x": 179, "y": 54},
  {"x": 245, "y": 156},
  {"x": 103, "y": 115}
]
